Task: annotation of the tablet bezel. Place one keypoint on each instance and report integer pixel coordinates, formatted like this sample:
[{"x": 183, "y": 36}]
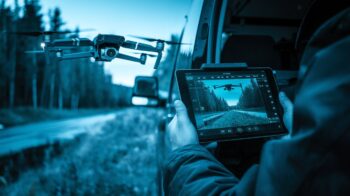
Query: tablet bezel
[{"x": 185, "y": 97}]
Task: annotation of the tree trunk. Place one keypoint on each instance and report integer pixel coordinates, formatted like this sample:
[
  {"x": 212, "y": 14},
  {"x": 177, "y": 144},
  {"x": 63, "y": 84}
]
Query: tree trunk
[
  {"x": 60, "y": 98},
  {"x": 52, "y": 91},
  {"x": 77, "y": 102},
  {"x": 34, "y": 83},
  {"x": 13, "y": 60},
  {"x": 12, "y": 76},
  {"x": 44, "y": 84},
  {"x": 12, "y": 92},
  {"x": 74, "y": 102},
  {"x": 34, "y": 92},
  {"x": 59, "y": 83},
  {"x": 47, "y": 72}
]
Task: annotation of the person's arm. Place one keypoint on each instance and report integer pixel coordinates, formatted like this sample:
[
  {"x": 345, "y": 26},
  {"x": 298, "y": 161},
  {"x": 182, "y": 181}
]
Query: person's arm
[{"x": 192, "y": 170}]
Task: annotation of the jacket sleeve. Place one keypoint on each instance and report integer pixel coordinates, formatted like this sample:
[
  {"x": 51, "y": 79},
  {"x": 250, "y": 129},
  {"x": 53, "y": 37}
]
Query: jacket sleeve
[{"x": 192, "y": 170}]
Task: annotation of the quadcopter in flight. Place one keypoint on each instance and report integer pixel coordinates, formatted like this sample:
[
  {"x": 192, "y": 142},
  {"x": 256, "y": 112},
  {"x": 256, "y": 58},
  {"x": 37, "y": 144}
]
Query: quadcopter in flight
[
  {"x": 228, "y": 87},
  {"x": 104, "y": 47}
]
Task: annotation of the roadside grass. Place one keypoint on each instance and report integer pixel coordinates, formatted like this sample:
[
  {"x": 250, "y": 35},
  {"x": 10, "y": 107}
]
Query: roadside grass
[
  {"x": 26, "y": 115},
  {"x": 120, "y": 160}
]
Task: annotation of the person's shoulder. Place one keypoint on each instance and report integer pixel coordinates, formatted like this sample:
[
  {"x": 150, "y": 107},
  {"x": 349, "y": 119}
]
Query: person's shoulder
[{"x": 340, "y": 47}]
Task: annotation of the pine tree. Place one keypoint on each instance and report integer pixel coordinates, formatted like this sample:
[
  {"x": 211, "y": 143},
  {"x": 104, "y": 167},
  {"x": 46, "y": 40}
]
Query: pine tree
[
  {"x": 5, "y": 18},
  {"x": 12, "y": 57},
  {"x": 55, "y": 75},
  {"x": 28, "y": 63}
]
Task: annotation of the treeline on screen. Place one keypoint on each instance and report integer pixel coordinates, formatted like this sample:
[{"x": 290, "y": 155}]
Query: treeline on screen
[
  {"x": 209, "y": 102},
  {"x": 251, "y": 97},
  {"x": 38, "y": 80}
]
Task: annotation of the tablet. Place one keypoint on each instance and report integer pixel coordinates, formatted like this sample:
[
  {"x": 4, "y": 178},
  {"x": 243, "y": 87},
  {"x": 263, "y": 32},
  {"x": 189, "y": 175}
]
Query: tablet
[{"x": 232, "y": 104}]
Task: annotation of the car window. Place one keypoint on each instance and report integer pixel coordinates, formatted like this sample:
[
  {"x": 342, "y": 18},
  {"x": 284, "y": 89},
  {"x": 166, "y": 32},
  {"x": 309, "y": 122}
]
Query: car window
[
  {"x": 189, "y": 36},
  {"x": 184, "y": 58}
]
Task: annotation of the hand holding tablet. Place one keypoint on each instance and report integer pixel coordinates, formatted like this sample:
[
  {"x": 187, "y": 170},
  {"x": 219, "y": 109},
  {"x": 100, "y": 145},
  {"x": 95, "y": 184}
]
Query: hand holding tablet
[{"x": 232, "y": 104}]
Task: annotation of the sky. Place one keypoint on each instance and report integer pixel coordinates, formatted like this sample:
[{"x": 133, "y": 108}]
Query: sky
[
  {"x": 232, "y": 96},
  {"x": 151, "y": 18}
]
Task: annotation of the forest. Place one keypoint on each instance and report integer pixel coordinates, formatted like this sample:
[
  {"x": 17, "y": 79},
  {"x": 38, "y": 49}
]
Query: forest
[
  {"x": 251, "y": 97},
  {"x": 40, "y": 80},
  {"x": 209, "y": 102}
]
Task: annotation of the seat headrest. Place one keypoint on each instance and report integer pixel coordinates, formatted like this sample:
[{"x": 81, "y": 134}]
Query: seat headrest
[{"x": 255, "y": 50}]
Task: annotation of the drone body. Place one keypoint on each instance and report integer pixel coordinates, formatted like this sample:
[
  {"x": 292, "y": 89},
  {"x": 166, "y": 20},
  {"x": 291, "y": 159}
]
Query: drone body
[{"x": 228, "y": 87}]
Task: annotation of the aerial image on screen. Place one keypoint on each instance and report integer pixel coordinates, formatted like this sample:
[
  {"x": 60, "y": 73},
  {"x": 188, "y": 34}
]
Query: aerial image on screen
[{"x": 228, "y": 103}]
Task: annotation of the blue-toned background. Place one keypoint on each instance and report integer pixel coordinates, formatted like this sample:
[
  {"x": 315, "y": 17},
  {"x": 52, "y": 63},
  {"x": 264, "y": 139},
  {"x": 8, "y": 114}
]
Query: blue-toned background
[{"x": 68, "y": 127}]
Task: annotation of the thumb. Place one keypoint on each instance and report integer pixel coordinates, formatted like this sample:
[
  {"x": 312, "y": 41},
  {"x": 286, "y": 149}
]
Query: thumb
[
  {"x": 181, "y": 111},
  {"x": 285, "y": 102}
]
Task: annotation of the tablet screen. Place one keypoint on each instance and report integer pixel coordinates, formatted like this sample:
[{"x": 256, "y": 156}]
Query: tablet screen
[{"x": 232, "y": 104}]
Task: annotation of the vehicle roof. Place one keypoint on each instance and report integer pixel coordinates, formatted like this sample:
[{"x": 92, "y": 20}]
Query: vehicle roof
[{"x": 282, "y": 9}]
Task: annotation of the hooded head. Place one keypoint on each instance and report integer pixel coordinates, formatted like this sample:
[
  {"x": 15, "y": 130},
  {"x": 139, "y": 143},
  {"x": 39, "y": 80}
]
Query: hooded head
[{"x": 322, "y": 104}]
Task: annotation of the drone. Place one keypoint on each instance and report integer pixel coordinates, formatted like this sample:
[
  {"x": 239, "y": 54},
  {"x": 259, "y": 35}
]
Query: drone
[
  {"x": 104, "y": 47},
  {"x": 228, "y": 87}
]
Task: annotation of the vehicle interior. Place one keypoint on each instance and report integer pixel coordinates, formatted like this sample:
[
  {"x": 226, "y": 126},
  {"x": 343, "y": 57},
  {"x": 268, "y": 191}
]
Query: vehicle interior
[
  {"x": 258, "y": 34},
  {"x": 272, "y": 33}
]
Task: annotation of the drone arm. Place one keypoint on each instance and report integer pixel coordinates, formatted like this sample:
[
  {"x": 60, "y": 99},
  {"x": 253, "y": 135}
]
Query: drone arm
[
  {"x": 130, "y": 58},
  {"x": 139, "y": 46},
  {"x": 146, "y": 47},
  {"x": 76, "y": 55}
]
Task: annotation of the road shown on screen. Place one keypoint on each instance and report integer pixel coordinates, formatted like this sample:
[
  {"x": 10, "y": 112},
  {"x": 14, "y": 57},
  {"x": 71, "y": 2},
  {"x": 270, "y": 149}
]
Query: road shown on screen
[{"x": 234, "y": 118}]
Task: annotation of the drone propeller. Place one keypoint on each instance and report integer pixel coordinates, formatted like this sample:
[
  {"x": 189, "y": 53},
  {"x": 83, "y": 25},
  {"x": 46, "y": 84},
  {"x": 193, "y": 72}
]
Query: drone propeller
[
  {"x": 41, "y": 51},
  {"x": 35, "y": 52},
  {"x": 158, "y": 40},
  {"x": 41, "y": 33},
  {"x": 70, "y": 43}
]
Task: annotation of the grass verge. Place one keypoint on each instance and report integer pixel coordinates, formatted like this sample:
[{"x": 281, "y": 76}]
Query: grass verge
[{"x": 26, "y": 115}]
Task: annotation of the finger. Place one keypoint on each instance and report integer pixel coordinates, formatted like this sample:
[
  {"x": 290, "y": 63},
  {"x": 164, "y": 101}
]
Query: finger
[
  {"x": 172, "y": 122},
  {"x": 181, "y": 111},
  {"x": 285, "y": 102}
]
